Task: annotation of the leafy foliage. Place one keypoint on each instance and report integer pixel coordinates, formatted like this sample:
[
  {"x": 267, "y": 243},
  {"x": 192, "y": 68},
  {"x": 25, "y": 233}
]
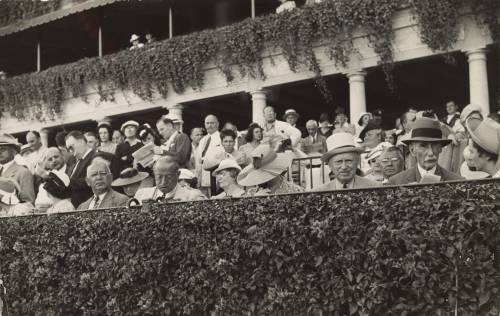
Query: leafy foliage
[
  {"x": 392, "y": 251},
  {"x": 178, "y": 63},
  {"x": 15, "y": 10}
]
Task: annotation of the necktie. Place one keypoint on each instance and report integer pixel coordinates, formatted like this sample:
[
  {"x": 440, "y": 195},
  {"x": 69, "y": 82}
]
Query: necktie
[
  {"x": 206, "y": 146},
  {"x": 344, "y": 186},
  {"x": 1, "y": 170},
  {"x": 96, "y": 201}
]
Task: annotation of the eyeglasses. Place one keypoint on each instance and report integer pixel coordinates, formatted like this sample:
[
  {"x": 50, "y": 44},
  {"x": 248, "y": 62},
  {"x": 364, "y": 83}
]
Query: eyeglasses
[{"x": 167, "y": 176}]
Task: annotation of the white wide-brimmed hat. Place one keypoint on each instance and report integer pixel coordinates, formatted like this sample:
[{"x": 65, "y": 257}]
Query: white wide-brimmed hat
[
  {"x": 340, "y": 143},
  {"x": 486, "y": 134},
  {"x": 377, "y": 151},
  {"x": 290, "y": 112},
  {"x": 226, "y": 164},
  {"x": 129, "y": 123},
  {"x": 9, "y": 140},
  {"x": 134, "y": 37}
]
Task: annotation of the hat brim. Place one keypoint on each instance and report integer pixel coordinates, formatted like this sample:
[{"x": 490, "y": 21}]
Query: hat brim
[
  {"x": 120, "y": 182},
  {"x": 250, "y": 176},
  {"x": 443, "y": 142},
  {"x": 16, "y": 147},
  {"x": 342, "y": 150},
  {"x": 293, "y": 113}
]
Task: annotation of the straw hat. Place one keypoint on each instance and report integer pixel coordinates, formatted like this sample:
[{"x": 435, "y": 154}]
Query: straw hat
[
  {"x": 129, "y": 176},
  {"x": 186, "y": 174},
  {"x": 9, "y": 140},
  {"x": 486, "y": 134},
  {"x": 377, "y": 151},
  {"x": 468, "y": 110},
  {"x": 426, "y": 130},
  {"x": 290, "y": 112},
  {"x": 266, "y": 165},
  {"x": 129, "y": 123},
  {"x": 26, "y": 148},
  {"x": 340, "y": 143},
  {"x": 226, "y": 164}
]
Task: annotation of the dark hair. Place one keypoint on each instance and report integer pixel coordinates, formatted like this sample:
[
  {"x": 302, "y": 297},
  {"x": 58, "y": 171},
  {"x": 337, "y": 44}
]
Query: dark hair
[
  {"x": 360, "y": 121},
  {"x": 56, "y": 187},
  {"x": 429, "y": 113},
  {"x": 483, "y": 152},
  {"x": 145, "y": 130},
  {"x": 227, "y": 132},
  {"x": 76, "y": 135},
  {"x": 60, "y": 139},
  {"x": 37, "y": 134},
  {"x": 324, "y": 117},
  {"x": 108, "y": 128},
  {"x": 251, "y": 128}
]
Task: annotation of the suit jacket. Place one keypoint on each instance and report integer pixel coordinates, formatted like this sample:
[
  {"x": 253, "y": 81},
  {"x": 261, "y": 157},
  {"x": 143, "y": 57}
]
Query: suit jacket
[
  {"x": 359, "y": 183},
  {"x": 179, "y": 194},
  {"x": 24, "y": 178},
  {"x": 80, "y": 191},
  {"x": 319, "y": 145},
  {"x": 111, "y": 199},
  {"x": 201, "y": 154},
  {"x": 413, "y": 176},
  {"x": 180, "y": 148}
]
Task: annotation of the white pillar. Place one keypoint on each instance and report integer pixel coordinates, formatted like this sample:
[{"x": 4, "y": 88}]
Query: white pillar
[
  {"x": 357, "y": 96},
  {"x": 99, "y": 49},
  {"x": 170, "y": 23},
  {"x": 478, "y": 79},
  {"x": 44, "y": 137},
  {"x": 258, "y": 105},
  {"x": 175, "y": 113}
]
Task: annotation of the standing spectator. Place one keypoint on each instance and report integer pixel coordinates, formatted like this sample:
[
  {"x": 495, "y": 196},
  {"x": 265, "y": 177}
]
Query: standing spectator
[
  {"x": 253, "y": 138},
  {"x": 343, "y": 159},
  {"x": 57, "y": 188},
  {"x": 134, "y": 40},
  {"x": 286, "y": 5},
  {"x": 125, "y": 150},
  {"x": 325, "y": 126},
  {"x": 175, "y": 143},
  {"x": 35, "y": 141},
  {"x": 363, "y": 120},
  {"x": 378, "y": 116},
  {"x": 341, "y": 124},
  {"x": 425, "y": 144},
  {"x": 291, "y": 117},
  {"x": 167, "y": 189},
  {"x": 208, "y": 146},
  {"x": 391, "y": 161},
  {"x": 452, "y": 118},
  {"x": 407, "y": 119},
  {"x": 273, "y": 127},
  {"x": 99, "y": 179},
  {"x": 61, "y": 144},
  {"x": 314, "y": 145},
  {"x": 484, "y": 146},
  {"x": 197, "y": 134},
  {"x": 118, "y": 137},
  {"x": 225, "y": 151},
  {"x": 148, "y": 135},
  {"x": 105, "y": 133},
  {"x": 371, "y": 136},
  {"x": 9, "y": 147},
  {"x": 77, "y": 145},
  {"x": 92, "y": 140},
  {"x": 240, "y": 140}
]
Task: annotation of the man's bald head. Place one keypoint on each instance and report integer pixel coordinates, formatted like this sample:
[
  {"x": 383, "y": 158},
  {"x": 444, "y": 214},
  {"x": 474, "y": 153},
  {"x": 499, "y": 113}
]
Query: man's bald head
[
  {"x": 211, "y": 124},
  {"x": 99, "y": 177}
]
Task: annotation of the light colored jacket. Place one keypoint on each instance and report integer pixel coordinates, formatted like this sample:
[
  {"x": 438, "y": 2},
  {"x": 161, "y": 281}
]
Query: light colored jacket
[
  {"x": 111, "y": 199},
  {"x": 287, "y": 131},
  {"x": 359, "y": 183},
  {"x": 215, "y": 142}
]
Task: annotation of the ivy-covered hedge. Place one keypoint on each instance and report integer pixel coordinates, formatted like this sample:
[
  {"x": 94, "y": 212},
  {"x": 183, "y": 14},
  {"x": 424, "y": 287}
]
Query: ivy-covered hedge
[
  {"x": 394, "y": 251},
  {"x": 12, "y": 11},
  {"x": 180, "y": 61}
]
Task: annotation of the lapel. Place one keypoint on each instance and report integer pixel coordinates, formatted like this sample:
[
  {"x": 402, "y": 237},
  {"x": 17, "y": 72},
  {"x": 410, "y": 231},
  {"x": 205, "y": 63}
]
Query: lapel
[
  {"x": 10, "y": 171},
  {"x": 82, "y": 165},
  {"x": 417, "y": 175},
  {"x": 108, "y": 199}
]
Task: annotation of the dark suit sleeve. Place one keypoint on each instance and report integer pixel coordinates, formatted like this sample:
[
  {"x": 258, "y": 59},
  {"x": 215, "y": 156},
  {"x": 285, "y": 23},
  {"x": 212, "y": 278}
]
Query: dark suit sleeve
[
  {"x": 182, "y": 149},
  {"x": 27, "y": 193}
]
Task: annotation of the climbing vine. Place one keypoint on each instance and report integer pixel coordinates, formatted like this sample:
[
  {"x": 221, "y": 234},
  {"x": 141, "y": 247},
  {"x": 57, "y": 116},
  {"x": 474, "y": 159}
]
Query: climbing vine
[
  {"x": 15, "y": 10},
  {"x": 238, "y": 49}
]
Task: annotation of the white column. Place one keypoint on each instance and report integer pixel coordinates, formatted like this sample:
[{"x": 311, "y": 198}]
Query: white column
[
  {"x": 170, "y": 23},
  {"x": 175, "y": 112},
  {"x": 478, "y": 79},
  {"x": 357, "y": 96},
  {"x": 100, "y": 41},
  {"x": 258, "y": 105},
  {"x": 44, "y": 137}
]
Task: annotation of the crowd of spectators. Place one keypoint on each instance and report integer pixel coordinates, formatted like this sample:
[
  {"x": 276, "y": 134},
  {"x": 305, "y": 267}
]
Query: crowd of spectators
[{"x": 140, "y": 162}]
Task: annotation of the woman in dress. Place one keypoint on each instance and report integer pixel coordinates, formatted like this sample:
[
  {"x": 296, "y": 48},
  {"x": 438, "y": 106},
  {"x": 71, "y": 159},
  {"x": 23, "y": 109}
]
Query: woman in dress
[
  {"x": 105, "y": 133},
  {"x": 253, "y": 137},
  {"x": 226, "y": 175}
]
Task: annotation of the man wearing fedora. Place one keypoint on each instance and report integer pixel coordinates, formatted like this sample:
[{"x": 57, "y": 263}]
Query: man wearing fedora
[
  {"x": 343, "y": 158},
  {"x": 484, "y": 146},
  {"x": 125, "y": 150},
  {"x": 9, "y": 148},
  {"x": 425, "y": 144}
]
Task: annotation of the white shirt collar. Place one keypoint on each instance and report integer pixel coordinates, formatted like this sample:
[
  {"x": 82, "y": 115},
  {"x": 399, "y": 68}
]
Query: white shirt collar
[
  {"x": 86, "y": 153},
  {"x": 7, "y": 165},
  {"x": 423, "y": 172},
  {"x": 340, "y": 185}
]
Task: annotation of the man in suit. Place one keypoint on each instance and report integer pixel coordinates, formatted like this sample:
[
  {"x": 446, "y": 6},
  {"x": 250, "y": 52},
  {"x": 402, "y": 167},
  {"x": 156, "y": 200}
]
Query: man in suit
[
  {"x": 314, "y": 145},
  {"x": 209, "y": 145},
  {"x": 452, "y": 119},
  {"x": 167, "y": 189},
  {"x": 78, "y": 147},
  {"x": 176, "y": 144},
  {"x": 425, "y": 144},
  {"x": 9, "y": 148},
  {"x": 343, "y": 158},
  {"x": 99, "y": 179}
]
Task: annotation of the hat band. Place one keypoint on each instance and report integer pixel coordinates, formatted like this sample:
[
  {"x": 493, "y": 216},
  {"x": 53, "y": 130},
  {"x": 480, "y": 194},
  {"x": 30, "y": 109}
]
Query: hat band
[{"x": 427, "y": 132}]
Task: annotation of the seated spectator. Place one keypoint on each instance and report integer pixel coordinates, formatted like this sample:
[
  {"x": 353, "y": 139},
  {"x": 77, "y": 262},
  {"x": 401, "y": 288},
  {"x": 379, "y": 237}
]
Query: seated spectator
[
  {"x": 125, "y": 150},
  {"x": 341, "y": 124},
  {"x": 391, "y": 161},
  {"x": 167, "y": 189},
  {"x": 325, "y": 127},
  {"x": 99, "y": 179},
  {"x": 134, "y": 40},
  {"x": 370, "y": 136},
  {"x": 130, "y": 180},
  {"x": 484, "y": 146},
  {"x": 105, "y": 133},
  {"x": 267, "y": 173},
  {"x": 226, "y": 175},
  {"x": 253, "y": 138},
  {"x": 57, "y": 188},
  {"x": 286, "y": 5},
  {"x": 187, "y": 179},
  {"x": 343, "y": 158},
  {"x": 225, "y": 151},
  {"x": 175, "y": 143},
  {"x": 9, "y": 148},
  {"x": 111, "y": 160},
  {"x": 118, "y": 137},
  {"x": 425, "y": 144},
  {"x": 148, "y": 135},
  {"x": 363, "y": 120},
  {"x": 92, "y": 140},
  {"x": 373, "y": 157},
  {"x": 10, "y": 205}
]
